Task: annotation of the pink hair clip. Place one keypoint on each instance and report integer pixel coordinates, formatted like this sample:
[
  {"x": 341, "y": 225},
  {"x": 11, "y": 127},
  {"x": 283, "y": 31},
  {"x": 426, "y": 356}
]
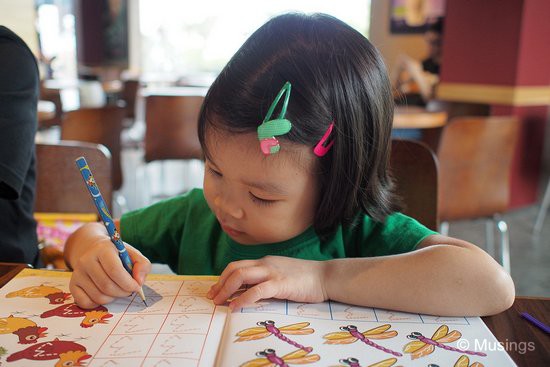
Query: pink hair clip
[{"x": 320, "y": 149}]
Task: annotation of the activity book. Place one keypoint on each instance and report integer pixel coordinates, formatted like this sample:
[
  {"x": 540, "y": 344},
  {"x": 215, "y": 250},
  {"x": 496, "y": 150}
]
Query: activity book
[{"x": 40, "y": 325}]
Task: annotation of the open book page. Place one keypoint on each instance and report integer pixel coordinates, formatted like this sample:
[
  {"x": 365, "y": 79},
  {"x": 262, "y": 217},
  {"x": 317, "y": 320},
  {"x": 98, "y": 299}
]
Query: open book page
[
  {"x": 334, "y": 334},
  {"x": 41, "y": 326}
]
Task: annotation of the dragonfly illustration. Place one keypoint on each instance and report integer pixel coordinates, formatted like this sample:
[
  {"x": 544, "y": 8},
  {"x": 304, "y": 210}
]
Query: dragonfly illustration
[
  {"x": 349, "y": 334},
  {"x": 267, "y": 328},
  {"x": 354, "y": 362},
  {"x": 269, "y": 358},
  {"x": 464, "y": 361},
  {"x": 422, "y": 346}
]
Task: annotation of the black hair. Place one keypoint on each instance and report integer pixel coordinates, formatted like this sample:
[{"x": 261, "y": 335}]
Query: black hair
[{"x": 336, "y": 75}]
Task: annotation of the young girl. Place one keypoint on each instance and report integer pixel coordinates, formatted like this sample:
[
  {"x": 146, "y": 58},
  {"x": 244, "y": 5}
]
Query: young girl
[{"x": 297, "y": 200}]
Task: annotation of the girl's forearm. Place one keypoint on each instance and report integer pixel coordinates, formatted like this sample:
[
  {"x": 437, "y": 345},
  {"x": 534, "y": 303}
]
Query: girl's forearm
[{"x": 441, "y": 280}]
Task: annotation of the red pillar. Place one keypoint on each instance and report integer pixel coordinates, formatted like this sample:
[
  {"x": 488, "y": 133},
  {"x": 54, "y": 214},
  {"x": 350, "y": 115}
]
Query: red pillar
[{"x": 498, "y": 52}]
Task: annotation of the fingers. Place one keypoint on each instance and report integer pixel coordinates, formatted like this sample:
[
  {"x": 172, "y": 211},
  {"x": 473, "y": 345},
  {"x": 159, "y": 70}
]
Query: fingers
[
  {"x": 100, "y": 276},
  {"x": 111, "y": 276},
  {"x": 229, "y": 269},
  {"x": 142, "y": 265},
  {"x": 86, "y": 294},
  {"x": 243, "y": 275},
  {"x": 260, "y": 291}
]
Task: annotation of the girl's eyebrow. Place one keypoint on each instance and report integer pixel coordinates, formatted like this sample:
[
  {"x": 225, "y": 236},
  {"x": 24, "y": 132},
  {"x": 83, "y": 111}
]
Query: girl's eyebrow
[
  {"x": 264, "y": 186},
  {"x": 267, "y": 187}
]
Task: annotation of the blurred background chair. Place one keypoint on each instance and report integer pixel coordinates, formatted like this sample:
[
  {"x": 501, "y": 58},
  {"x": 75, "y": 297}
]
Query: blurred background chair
[
  {"x": 61, "y": 195},
  {"x": 128, "y": 94},
  {"x": 475, "y": 158},
  {"x": 100, "y": 125},
  {"x": 54, "y": 96},
  {"x": 432, "y": 136},
  {"x": 414, "y": 169},
  {"x": 171, "y": 129}
]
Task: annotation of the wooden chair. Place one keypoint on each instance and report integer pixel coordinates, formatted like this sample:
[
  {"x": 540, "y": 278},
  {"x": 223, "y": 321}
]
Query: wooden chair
[
  {"x": 128, "y": 95},
  {"x": 60, "y": 188},
  {"x": 475, "y": 158},
  {"x": 171, "y": 130},
  {"x": 171, "y": 127},
  {"x": 432, "y": 136},
  {"x": 59, "y": 185},
  {"x": 100, "y": 126},
  {"x": 414, "y": 169},
  {"x": 54, "y": 96}
]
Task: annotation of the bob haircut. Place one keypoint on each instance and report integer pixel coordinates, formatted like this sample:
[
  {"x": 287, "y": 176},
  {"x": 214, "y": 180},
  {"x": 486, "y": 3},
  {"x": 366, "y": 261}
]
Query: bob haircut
[{"x": 337, "y": 76}]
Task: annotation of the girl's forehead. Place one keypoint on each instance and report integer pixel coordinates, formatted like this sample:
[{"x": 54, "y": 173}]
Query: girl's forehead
[{"x": 243, "y": 150}]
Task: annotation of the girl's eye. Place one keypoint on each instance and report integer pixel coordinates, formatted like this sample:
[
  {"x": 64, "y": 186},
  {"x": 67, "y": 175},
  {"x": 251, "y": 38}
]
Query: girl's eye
[
  {"x": 260, "y": 201},
  {"x": 214, "y": 172}
]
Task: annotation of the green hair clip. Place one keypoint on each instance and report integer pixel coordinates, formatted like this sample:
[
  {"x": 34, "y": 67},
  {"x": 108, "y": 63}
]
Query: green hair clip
[{"x": 279, "y": 126}]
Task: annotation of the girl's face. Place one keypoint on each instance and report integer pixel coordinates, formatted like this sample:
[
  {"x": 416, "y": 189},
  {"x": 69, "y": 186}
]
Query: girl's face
[{"x": 256, "y": 198}]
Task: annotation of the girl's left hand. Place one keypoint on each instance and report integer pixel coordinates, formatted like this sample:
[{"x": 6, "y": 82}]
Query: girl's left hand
[{"x": 272, "y": 277}]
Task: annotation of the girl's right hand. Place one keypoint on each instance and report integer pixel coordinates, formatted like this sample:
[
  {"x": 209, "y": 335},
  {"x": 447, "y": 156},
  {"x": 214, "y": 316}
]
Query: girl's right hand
[{"x": 98, "y": 274}]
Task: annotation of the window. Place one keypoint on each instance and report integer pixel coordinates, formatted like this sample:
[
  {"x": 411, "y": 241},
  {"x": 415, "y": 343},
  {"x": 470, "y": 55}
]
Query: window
[{"x": 182, "y": 38}]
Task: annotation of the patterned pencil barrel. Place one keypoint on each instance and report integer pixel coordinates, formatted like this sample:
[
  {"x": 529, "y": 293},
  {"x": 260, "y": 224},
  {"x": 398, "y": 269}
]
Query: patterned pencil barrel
[{"x": 103, "y": 211}]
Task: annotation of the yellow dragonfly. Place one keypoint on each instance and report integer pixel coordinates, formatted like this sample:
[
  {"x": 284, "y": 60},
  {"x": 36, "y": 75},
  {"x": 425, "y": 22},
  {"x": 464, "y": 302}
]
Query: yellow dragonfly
[
  {"x": 267, "y": 328},
  {"x": 354, "y": 362},
  {"x": 350, "y": 334},
  {"x": 422, "y": 346},
  {"x": 269, "y": 358},
  {"x": 464, "y": 361}
]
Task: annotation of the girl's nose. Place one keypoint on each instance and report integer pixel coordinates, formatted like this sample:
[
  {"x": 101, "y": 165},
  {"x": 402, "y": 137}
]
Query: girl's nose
[{"x": 228, "y": 207}]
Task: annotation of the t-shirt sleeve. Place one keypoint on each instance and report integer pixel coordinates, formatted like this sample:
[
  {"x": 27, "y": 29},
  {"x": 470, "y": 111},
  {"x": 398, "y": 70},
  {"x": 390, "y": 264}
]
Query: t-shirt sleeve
[
  {"x": 157, "y": 230},
  {"x": 397, "y": 235},
  {"x": 18, "y": 103}
]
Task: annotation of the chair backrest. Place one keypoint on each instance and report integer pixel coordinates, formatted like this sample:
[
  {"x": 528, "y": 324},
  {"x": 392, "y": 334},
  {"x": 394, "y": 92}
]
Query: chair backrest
[
  {"x": 100, "y": 126},
  {"x": 59, "y": 185},
  {"x": 128, "y": 95},
  {"x": 52, "y": 95},
  {"x": 475, "y": 157},
  {"x": 414, "y": 170},
  {"x": 432, "y": 137},
  {"x": 171, "y": 127}
]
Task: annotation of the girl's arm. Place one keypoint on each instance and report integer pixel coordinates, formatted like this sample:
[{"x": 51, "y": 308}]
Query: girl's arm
[{"x": 444, "y": 276}]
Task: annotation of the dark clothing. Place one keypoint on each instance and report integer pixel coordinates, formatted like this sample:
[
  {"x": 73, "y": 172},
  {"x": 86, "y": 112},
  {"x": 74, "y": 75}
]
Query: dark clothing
[
  {"x": 19, "y": 85},
  {"x": 430, "y": 66}
]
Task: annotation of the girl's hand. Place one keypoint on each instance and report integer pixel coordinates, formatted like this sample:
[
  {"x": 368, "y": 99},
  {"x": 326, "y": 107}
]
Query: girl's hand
[
  {"x": 274, "y": 277},
  {"x": 99, "y": 276}
]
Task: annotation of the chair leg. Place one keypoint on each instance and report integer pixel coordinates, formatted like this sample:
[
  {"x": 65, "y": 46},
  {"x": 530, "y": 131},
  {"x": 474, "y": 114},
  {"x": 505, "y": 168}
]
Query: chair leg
[
  {"x": 544, "y": 206},
  {"x": 504, "y": 243},
  {"x": 490, "y": 237},
  {"x": 444, "y": 228}
]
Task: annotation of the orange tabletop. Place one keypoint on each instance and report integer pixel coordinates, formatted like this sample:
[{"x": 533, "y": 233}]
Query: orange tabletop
[{"x": 414, "y": 117}]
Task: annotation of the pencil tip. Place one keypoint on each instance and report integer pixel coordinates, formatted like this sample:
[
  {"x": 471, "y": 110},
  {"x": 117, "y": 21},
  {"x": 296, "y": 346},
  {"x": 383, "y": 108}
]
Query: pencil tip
[{"x": 145, "y": 303}]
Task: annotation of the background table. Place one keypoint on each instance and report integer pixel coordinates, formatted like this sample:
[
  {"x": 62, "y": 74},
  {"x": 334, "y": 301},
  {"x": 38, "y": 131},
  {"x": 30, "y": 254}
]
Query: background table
[{"x": 413, "y": 117}]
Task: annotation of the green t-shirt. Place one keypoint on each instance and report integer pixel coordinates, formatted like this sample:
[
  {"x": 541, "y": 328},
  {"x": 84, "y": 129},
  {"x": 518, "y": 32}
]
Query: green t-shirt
[{"x": 184, "y": 233}]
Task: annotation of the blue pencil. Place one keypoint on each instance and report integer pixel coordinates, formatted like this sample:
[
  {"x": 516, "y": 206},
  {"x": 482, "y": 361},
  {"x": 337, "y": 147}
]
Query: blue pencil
[{"x": 106, "y": 218}]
